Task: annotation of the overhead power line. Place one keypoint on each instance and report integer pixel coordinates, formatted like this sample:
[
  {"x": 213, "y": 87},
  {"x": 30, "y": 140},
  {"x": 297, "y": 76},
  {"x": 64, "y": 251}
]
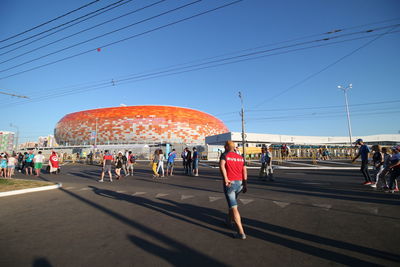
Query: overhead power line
[
  {"x": 329, "y": 65},
  {"x": 82, "y": 31},
  {"x": 58, "y": 26},
  {"x": 105, "y": 34},
  {"x": 313, "y": 108},
  {"x": 142, "y": 77},
  {"x": 184, "y": 6},
  {"x": 128, "y": 38},
  {"x": 96, "y": 13},
  {"x": 49, "y": 21},
  {"x": 15, "y": 95}
]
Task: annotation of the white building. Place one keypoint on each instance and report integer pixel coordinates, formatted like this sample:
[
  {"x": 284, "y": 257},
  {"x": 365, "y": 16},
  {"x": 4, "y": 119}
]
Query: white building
[{"x": 257, "y": 140}]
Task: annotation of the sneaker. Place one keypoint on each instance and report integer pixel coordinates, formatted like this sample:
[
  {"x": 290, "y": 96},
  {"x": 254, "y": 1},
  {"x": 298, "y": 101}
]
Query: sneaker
[
  {"x": 373, "y": 185},
  {"x": 111, "y": 181},
  {"x": 196, "y": 175},
  {"x": 100, "y": 181},
  {"x": 367, "y": 183},
  {"x": 396, "y": 190},
  {"x": 239, "y": 236}
]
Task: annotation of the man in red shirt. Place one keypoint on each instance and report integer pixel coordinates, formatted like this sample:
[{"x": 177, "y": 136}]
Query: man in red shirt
[
  {"x": 235, "y": 181},
  {"x": 107, "y": 163}
]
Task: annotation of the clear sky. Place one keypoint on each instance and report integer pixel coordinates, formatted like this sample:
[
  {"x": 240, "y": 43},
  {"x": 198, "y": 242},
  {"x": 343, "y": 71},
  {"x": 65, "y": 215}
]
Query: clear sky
[{"x": 290, "y": 89}]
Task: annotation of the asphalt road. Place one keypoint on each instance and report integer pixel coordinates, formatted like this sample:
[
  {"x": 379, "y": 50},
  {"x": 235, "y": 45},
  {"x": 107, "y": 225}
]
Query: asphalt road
[{"x": 304, "y": 218}]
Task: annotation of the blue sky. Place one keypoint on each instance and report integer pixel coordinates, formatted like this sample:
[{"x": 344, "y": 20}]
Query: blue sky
[{"x": 314, "y": 107}]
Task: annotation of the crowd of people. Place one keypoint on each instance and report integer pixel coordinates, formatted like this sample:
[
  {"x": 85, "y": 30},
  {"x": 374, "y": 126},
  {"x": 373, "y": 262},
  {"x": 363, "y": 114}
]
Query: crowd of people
[
  {"x": 27, "y": 163},
  {"x": 385, "y": 166},
  {"x": 122, "y": 161}
]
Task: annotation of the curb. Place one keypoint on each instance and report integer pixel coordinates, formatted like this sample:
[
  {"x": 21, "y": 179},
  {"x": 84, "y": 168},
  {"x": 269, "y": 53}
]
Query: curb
[{"x": 30, "y": 190}]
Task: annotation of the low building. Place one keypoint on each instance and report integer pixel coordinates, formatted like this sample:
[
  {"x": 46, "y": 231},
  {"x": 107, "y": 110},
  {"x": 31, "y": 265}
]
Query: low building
[
  {"x": 258, "y": 140},
  {"x": 6, "y": 141}
]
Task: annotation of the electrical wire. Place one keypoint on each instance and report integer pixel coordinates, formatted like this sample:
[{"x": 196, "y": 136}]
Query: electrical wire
[
  {"x": 104, "y": 34},
  {"x": 58, "y": 26},
  {"x": 127, "y": 38},
  {"x": 49, "y": 21},
  {"x": 85, "y": 30},
  {"x": 327, "y": 67},
  {"x": 165, "y": 73},
  {"x": 66, "y": 27}
]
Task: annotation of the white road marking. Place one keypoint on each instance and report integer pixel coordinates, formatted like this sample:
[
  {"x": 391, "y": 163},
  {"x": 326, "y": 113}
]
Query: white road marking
[
  {"x": 323, "y": 206},
  {"x": 84, "y": 189},
  {"x": 161, "y": 195},
  {"x": 281, "y": 204},
  {"x": 183, "y": 197},
  {"x": 138, "y": 193},
  {"x": 212, "y": 199},
  {"x": 246, "y": 201}
]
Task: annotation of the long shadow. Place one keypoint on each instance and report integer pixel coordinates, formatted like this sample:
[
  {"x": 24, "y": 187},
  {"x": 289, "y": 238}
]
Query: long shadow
[
  {"x": 169, "y": 210},
  {"x": 180, "y": 186},
  {"x": 186, "y": 253},
  {"x": 357, "y": 199},
  {"x": 41, "y": 262},
  {"x": 332, "y": 190},
  {"x": 214, "y": 216},
  {"x": 251, "y": 226}
]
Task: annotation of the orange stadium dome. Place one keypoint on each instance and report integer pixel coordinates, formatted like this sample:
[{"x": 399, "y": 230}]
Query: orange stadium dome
[{"x": 137, "y": 124}]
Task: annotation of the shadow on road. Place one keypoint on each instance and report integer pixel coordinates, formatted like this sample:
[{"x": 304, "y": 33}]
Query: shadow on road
[{"x": 254, "y": 228}]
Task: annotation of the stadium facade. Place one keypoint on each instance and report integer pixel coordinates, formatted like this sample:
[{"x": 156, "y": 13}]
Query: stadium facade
[{"x": 137, "y": 124}]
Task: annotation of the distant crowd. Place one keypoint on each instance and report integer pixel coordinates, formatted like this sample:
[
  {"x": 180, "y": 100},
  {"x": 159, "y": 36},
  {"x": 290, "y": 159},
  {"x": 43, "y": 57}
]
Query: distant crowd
[{"x": 28, "y": 163}]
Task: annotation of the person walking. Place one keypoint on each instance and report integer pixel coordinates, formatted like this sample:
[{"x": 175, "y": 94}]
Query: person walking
[
  {"x": 263, "y": 161},
  {"x": 183, "y": 156},
  {"x": 377, "y": 161},
  {"x": 38, "y": 162},
  {"x": 234, "y": 174},
  {"x": 155, "y": 163},
  {"x": 195, "y": 164},
  {"x": 130, "y": 163},
  {"x": 108, "y": 160},
  {"x": 20, "y": 162},
  {"x": 188, "y": 162},
  {"x": 124, "y": 164},
  {"x": 394, "y": 168},
  {"x": 363, "y": 152},
  {"x": 119, "y": 162},
  {"x": 266, "y": 164},
  {"x": 53, "y": 163},
  {"x": 171, "y": 162},
  {"x": 11, "y": 164},
  {"x": 29, "y": 162},
  {"x": 160, "y": 165},
  {"x": 386, "y": 163},
  {"x": 3, "y": 165}
]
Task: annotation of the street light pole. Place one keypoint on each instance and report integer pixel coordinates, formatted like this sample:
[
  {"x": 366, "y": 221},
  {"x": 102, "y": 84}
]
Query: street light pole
[
  {"x": 17, "y": 135},
  {"x": 345, "y": 90},
  {"x": 243, "y": 130}
]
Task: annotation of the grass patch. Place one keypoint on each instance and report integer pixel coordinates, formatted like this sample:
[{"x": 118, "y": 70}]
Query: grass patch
[{"x": 17, "y": 184}]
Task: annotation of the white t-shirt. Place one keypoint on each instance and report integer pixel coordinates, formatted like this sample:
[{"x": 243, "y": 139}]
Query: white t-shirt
[
  {"x": 12, "y": 161},
  {"x": 39, "y": 158}
]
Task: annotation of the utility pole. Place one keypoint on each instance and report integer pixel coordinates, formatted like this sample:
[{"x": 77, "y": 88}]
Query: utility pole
[
  {"x": 243, "y": 130},
  {"x": 345, "y": 89}
]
